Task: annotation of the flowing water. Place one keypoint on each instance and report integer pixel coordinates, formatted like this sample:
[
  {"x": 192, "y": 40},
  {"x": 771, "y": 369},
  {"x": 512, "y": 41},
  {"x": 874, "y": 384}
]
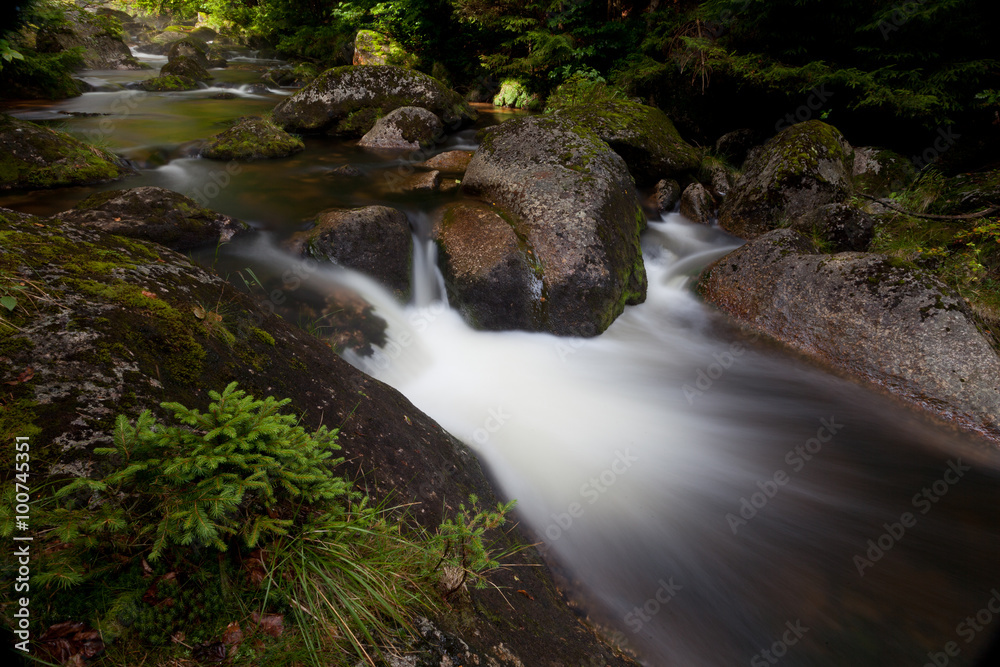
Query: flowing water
[{"x": 709, "y": 498}]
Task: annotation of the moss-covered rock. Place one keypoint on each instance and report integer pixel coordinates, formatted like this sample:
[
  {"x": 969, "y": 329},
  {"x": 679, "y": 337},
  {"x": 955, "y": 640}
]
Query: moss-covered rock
[
  {"x": 167, "y": 83},
  {"x": 516, "y": 95},
  {"x": 160, "y": 43},
  {"x": 898, "y": 329},
  {"x": 643, "y": 135},
  {"x": 571, "y": 198},
  {"x": 803, "y": 167},
  {"x": 348, "y": 100},
  {"x": 375, "y": 240},
  {"x": 252, "y": 138},
  {"x": 154, "y": 214},
  {"x": 373, "y": 48},
  {"x": 839, "y": 227},
  {"x": 404, "y": 128},
  {"x": 185, "y": 66},
  {"x": 189, "y": 48},
  {"x": 32, "y": 156},
  {"x": 100, "y": 36}
]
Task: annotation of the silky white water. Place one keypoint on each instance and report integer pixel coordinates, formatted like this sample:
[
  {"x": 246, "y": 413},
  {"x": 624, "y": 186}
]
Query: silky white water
[{"x": 709, "y": 499}]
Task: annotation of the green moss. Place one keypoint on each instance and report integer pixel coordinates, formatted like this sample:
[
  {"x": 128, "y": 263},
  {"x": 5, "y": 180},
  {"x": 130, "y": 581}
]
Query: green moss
[
  {"x": 262, "y": 336},
  {"x": 252, "y": 138},
  {"x": 172, "y": 329},
  {"x": 172, "y": 82},
  {"x": 515, "y": 94}
]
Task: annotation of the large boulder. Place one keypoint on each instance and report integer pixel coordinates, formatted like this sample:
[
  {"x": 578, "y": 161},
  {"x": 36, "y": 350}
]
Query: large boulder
[
  {"x": 489, "y": 274},
  {"x": 100, "y": 36},
  {"x": 878, "y": 171},
  {"x": 185, "y": 66},
  {"x": 115, "y": 330},
  {"x": 165, "y": 83},
  {"x": 154, "y": 214},
  {"x": 842, "y": 227},
  {"x": 190, "y": 48},
  {"x": 32, "y": 156},
  {"x": 449, "y": 162},
  {"x": 252, "y": 138},
  {"x": 899, "y": 329},
  {"x": 643, "y": 135},
  {"x": 374, "y": 240},
  {"x": 348, "y": 100},
  {"x": 404, "y": 128},
  {"x": 571, "y": 199},
  {"x": 803, "y": 167}
]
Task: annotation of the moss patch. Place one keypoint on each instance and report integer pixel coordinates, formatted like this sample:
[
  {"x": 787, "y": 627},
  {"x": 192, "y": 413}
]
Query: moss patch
[{"x": 252, "y": 138}]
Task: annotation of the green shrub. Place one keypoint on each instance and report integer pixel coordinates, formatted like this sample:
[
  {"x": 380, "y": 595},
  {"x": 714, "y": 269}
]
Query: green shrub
[{"x": 513, "y": 93}]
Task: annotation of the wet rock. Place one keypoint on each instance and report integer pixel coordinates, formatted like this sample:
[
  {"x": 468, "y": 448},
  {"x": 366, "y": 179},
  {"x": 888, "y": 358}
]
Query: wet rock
[
  {"x": 203, "y": 34},
  {"x": 642, "y": 135},
  {"x": 571, "y": 198},
  {"x": 290, "y": 77},
  {"x": 344, "y": 171},
  {"x": 449, "y": 162},
  {"x": 719, "y": 178},
  {"x": 666, "y": 195},
  {"x": 404, "y": 128},
  {"x": 374, "y": 240},
  {"x": 878, "y": 171},
  {"x": 154, "y": 214},
  {"x": 160, "y": 44},
  {"x": 353, "y": 322},
  {"x": 100, "y": 36},
  {"x": 489, "y": 276},
  {"x": 804, "y": 167},
  {"x": 423, "y": 182},
  {"x": 188, "y": 48},
  {"x": 252, "y": 138},
  {"x": 346, "y": 101},
  {"x": 32, "y": 156},
  {"x": 842, "y": 227},
  {"x": 697, "y": 204},
  {"x": 899, "y": 329},
  {"x": 185, "y": 66}
]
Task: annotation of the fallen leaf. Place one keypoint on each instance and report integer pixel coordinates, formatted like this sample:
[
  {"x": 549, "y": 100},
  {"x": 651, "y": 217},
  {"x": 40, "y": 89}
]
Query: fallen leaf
[
  {"x": 271, "y": 624},
  {"x": 209, "y": 652},
  {"x": 71, "y": 642},
  {"x": 38, "y": 224},
  {"x": 526, "y": 594},
  {"x": 118, "y": 219},
  {"x": 148, "y": 295},
  {"x": 199, "y": 312},
  {"x": 233, "y": 636},
  {"x": 25, "y": 375}
]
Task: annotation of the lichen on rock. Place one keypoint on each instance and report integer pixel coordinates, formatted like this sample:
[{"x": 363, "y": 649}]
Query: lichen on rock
[{"x": 252, "y": 138}]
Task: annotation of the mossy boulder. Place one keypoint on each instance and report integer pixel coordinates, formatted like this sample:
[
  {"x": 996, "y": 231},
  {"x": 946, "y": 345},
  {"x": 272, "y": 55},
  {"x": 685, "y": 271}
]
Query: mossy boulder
[
  {"x": 189, "y": 48},
  {"x": 186, "y": 66},
  {"x": 252, "y": 138},
  {"x": 404, "y": 128},
  {"x": 32, "y": 156},
  {"x": 203, "y": 34},
  {"x": 160, "y": 43},
  {"x": 154, "y": 214},
  {"x": 572, "y": 201},
  {"x": 515, "y": 94},
  {"x": 488, "y": 271},
  {"x": 99, "y": 35},
  {"x": 167, "y": 83},
  {"x": 898, "y": 329},
  {"x": 375, "y": 240},
  {"x": 805, "y": 166},
  {"x": 347, "y": 101},
  {"x": 374, "y": 48},
  {"x": 643, "y": 136}
]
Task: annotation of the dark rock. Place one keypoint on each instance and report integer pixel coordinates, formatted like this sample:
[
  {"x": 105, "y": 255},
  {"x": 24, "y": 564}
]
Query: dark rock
[
  {"x": 666, "y": 195},
  {"x": 735, "y": 146},
  {"x": 719, "y": 178},
  {"x": 252, "y": 138},
  {"x": 697, "y": 204},
  {"x": 344, "y": 171},
  {"x": 185, "y": 66},
  {"x": 642, "y": 135},
  {"x": 423, "y": 181},
  {"x": 160, "y": 44},
  {"x": 404, "y": 128},
  {"x": 154, "y": 214},
  {"x": 489, "y": 276},
  {"x": 898, "y": 329},
  {"x": 32, "y": 156},
  {"x": 188, "y": 48},
  {"x": 878, "y": 171},
  {"x": 842, "y": 226},
  {"x": 805, "y": 166},
  {"x": 99, "y": 35},
  {"x": 571, "y": 199},
  {"x": 374, "y": 240},
  {"x": 449, "y": 162},
  {"x": 348, "y": 100}
]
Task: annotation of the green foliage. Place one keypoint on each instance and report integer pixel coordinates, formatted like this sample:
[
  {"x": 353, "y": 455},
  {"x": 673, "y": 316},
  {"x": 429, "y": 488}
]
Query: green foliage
[
  {"x": 583, "y": 86},
  {"x": 231, "y": 473},
  {"x": 515, "y": 94},
  {"x": 461, "y": 541}
]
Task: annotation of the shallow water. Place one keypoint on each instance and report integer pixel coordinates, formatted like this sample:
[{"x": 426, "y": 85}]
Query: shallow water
[{"x": 707, "y": 496}]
